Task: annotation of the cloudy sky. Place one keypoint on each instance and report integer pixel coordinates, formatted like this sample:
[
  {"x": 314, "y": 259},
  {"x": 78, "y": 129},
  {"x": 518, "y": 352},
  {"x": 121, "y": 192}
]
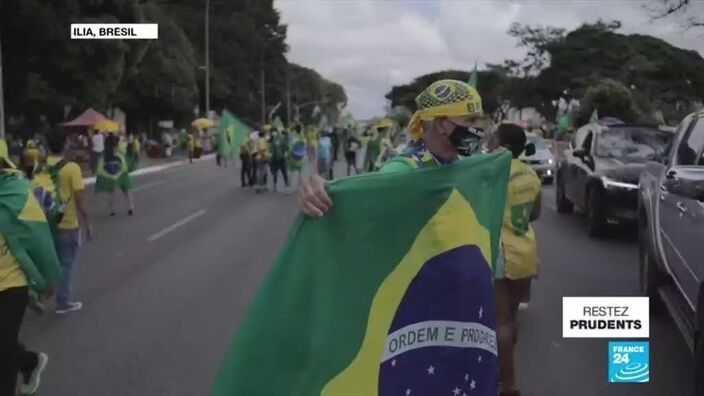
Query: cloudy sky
[{"x": 370, "y": 45}]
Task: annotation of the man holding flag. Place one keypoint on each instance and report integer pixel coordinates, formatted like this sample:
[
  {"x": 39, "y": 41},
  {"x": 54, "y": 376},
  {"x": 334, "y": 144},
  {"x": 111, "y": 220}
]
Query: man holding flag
[{"x": 390, "y": 292}]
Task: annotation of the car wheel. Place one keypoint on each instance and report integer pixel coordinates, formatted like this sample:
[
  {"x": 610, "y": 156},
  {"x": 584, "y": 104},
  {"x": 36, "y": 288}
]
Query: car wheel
[
  {"x": 563, "y": 204},
  {"x": 699, "y": 366},
  {"x": 651, "y": 278},
  {"x": 596, "y": 216}
]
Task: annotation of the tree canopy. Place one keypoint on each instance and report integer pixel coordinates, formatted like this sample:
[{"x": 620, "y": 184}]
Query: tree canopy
[
  {"x": 658, "y": 75},
  {"x": 44, "y": 70}
]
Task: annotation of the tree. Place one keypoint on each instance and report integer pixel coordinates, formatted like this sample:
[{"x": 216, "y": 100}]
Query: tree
[
  {"x": 679, "y": 9},
  {"x": 537, "y": 41},
  {"x": 611, "y": 99}
]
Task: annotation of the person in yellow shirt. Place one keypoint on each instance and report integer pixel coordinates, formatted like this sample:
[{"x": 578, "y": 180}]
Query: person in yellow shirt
[
  {"x": 312, "y": 137},
  {"x": 27, "y": 259},
  {"x": 517, "y": 263},
  {"x": 246, "y": 155},
  {"x": 68, "y": 236},
  {"x": 195, "y": 145},
  {"x": 263, "y": 154}
]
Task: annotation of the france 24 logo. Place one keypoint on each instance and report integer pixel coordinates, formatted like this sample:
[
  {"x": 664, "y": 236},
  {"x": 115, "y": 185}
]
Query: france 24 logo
[{"x": 629, "y": 361}]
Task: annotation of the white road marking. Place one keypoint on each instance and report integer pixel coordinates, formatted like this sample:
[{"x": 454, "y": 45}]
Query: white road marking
[
  {"x": 176, "y": 225},
  {"x": 149, "y": 185}
]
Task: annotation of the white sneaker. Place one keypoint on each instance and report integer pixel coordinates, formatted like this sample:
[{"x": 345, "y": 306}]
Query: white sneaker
[
  {"x": 523, "y": 306},
  {"x": 31, "y": 385},
  {"x": 70, "y": 307}
]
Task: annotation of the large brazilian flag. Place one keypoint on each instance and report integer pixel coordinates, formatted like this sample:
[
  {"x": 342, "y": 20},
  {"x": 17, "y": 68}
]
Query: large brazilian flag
[{"x": 388, "y": 294}]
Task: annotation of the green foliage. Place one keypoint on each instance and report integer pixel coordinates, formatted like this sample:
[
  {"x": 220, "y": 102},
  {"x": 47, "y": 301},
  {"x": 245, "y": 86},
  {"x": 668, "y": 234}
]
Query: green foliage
[
  {"x": 611, "y": 99},
  {"x": 162, "y": 79}
]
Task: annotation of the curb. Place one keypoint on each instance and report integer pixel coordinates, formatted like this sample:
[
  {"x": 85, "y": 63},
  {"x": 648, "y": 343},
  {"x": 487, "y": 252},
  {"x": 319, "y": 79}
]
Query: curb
[{"x": 153, "y": 169}]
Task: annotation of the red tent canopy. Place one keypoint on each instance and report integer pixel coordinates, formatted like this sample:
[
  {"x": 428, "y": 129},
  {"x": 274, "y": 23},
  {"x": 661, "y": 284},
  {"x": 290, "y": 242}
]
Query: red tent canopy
[{"x": 89, "y": 118}]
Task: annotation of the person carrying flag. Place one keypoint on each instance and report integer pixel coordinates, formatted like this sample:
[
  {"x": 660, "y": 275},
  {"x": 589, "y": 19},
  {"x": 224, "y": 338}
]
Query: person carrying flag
[
  {"x": 446, "y": 127},
  {"x": 312, "y": 137},
  {"x": 28, "y": 261},
  {"x": 113, "y": 172}
]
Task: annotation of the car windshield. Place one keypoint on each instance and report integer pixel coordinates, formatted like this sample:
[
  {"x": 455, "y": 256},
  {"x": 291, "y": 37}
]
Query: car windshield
[
  {"x": 538, "y": 142},
  {"x": 637, "y": 143}
]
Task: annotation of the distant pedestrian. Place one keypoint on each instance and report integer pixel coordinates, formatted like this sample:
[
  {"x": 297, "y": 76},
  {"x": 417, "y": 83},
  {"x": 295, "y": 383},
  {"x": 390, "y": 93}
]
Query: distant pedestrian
[
  {"x": 279, "y": 152},
  {"x": 195, "y": 147},
  {"x": 132, "y": 151},
  {"x": 352, "y": 145},
  {"x": 312, "y": 138},
  {"x": 247, "y": 158},
  {"x": 113, "y": 173},
  {"x": 263, "y": 155},
  {"x": 97, "y": 146},
  {"x": 324, "y": 156},
  {"x": 67, "y": 236},
  {"x": 297, "y": 154},
  {"x": 28, "y": 264}
]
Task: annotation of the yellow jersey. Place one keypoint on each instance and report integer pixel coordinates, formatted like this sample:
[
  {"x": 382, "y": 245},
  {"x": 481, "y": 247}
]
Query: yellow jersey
[
  {"x": 70, "y": 182},
  {"x": 517, "y": 235},
  {"x": 11, "y": 274}
]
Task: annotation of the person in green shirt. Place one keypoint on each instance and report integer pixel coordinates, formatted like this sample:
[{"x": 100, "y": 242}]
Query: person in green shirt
[
  {"x": 279, "y": 152},
  {"x": 446, "y": 126}
]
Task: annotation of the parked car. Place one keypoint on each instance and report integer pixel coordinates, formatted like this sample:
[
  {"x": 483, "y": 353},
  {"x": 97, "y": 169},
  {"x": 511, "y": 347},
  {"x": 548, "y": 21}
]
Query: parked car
[
  {"x": 599, "y": 172},
  {"x": 542, "y": 160},
  {"x": 671, "y": 235}
]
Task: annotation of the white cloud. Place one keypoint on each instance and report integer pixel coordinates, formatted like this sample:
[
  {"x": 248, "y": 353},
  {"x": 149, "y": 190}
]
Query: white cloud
[{"x": 368, "y": 46}]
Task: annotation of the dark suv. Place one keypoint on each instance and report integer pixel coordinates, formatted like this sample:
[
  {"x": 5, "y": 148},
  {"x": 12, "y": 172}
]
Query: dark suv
[
  {"x": 671, "y": 235},
  {"x": 599, "y": 173}
]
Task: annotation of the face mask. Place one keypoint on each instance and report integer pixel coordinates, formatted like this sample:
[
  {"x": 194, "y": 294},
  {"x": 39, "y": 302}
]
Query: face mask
[{"x": 465, "y": 139}]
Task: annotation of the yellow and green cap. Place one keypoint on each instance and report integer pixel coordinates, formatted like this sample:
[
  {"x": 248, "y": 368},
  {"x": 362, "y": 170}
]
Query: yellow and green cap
[{"x": 445, "y": 98}]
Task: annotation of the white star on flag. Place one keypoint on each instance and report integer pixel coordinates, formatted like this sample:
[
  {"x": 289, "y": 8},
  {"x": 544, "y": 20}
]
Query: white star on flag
[
  {"x": 466, "y": 377},
  {"x": 481, "y": 312},
  {"x": 457, "y": 391},
  {"x": 464, "y": 394},
  {"x": 472, "y": 385},
  {"x": 431, "y": 370},
  {"x": 479, "y": 359},
  {"x": 393, "y": 363},
  {"x": 408, "y": 392}
]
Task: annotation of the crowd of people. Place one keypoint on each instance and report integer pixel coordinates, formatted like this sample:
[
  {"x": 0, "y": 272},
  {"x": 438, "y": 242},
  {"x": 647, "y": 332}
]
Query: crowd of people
[
  {"x": 444, "y": 130},
  {"x": 282, "y": 151}
]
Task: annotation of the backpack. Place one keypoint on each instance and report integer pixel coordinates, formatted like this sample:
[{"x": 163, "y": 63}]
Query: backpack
[
  {"x": 45, "y": 187},
  {"x": 298, "y": 150}
]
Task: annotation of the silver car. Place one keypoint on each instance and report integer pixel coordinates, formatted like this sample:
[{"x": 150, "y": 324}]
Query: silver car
[{"x": 542, "y": 161}]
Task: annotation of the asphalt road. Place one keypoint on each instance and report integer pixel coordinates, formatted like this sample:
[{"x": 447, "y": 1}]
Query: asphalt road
[{"x": 164, "y": 291}]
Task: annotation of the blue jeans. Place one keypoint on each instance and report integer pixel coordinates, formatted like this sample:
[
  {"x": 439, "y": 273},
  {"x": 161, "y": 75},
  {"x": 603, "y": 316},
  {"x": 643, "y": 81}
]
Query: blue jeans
[{"x": 67, "y": 242}]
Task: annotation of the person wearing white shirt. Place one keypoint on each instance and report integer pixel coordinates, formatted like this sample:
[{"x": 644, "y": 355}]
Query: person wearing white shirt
[{"x": 97, "y": 147}]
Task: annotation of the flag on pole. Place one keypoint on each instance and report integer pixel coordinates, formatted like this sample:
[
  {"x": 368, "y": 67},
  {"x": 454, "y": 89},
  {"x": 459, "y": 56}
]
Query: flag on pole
[
  {"x": 594, "y": 117},
  {"x": 278, "y": 124},
  {"x": 316, "y": 111},
  {"x": 234, "y": 130},
  {"x": 474, "y": 77},
  {"x": 659, "y": 117},
  {"x": 378, "y": 299}
]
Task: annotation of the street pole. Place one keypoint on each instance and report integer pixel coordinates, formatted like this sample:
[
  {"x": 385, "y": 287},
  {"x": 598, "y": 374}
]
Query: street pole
[
  {"x": 288, "y": 96},
  {"x": 207, "y": 58},
  {"x": 2, "y": 95},
  {"x": 263, "y": 88}
]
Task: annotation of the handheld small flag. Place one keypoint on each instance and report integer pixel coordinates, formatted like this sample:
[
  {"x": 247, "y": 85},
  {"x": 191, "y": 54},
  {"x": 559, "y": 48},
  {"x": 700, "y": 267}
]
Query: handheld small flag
[
  {"x": 391, "y": 290},
  {"x": 594, "y": 117},
  {"x": 278, "y": 124},
  {"x": 474, "y": 77}
]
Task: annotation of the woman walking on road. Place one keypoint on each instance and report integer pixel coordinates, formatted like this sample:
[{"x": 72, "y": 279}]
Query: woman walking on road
[
  {"x": 113, "y": 172},
  {"x": 517, "y": 263}
]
